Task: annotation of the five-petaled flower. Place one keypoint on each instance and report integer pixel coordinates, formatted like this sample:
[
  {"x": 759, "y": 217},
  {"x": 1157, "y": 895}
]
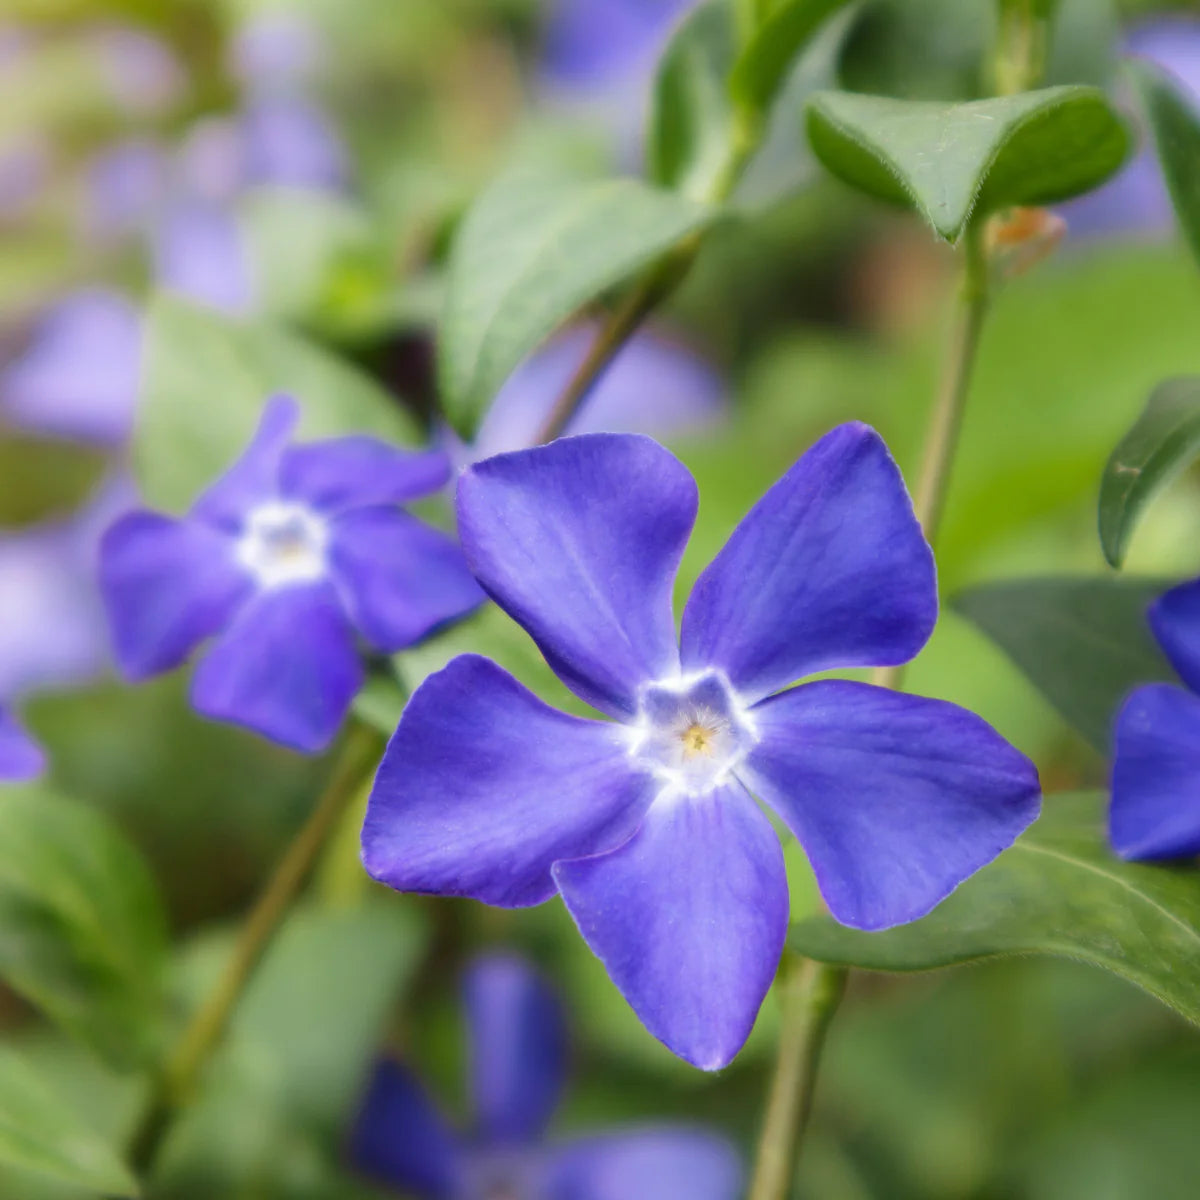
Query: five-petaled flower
[
  {"x": 282, "y": 560},
  {"x": 1155, "y": 809},
  {"x": 517, "y": 1049},
  {"x": 647, "y": 826}
]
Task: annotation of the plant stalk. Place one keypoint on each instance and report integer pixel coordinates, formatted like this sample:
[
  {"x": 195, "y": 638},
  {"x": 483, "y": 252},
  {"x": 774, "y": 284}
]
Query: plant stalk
[
  {"x": 655, "y": 286},
  {"x": 202, "y": 1036},
  {"x": 809, "y": 994}
]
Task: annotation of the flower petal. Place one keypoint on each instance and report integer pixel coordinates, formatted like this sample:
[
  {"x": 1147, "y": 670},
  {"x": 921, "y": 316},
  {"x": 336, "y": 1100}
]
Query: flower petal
[
  {"x": 78, "y": 378},
  {"x": 665, "y": 1164},
  {"x": 199, "y": 252},
  {"x": 689, "y": 918},
  {"x": 518, "y": 1049},
  {"x": 254, "y": 478},
  {"x": 483, "y": 787},
  {"x": 399, "y": 578},
  {"x": 21, "y": 758},
  {"x": 1156, "y": 775},
  {"x": 400, "y": 1139},
  {"x": 579, "y": 542},
  {"x": 353, "y": 472},
  {"x": 290, "y": 143},
  {"x": 287, "y": 668},
  {"x": 896, "y": 799},
  {"x": 829, "y": 569},
  {"x": 1175, "y": 620},
  {"x": 167, "y": 584}
]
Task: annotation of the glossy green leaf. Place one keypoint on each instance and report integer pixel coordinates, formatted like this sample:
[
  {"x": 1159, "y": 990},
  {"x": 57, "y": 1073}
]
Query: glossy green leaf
[
  {"x": 205, "y": 380},
  {"x": 1058, "y": 891},
  {"x": 536, "y": 246},
  {"x": 1083, "y": 643},
  {"x": 40, "y": 1133},
  {"x": 1176, "y": 125},
  {"x": 1163, "y": 441},
  {"x": 763, "y": 65},
  {"x": 691, "y": 121},
  {"x": 954, "y": 162},
  {"x": 82, "y": 928}
]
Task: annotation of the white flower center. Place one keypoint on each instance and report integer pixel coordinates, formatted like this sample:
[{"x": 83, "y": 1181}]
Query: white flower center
[
  {"x": 692, "y": 732},
  {"x": 283, "y": 544}
]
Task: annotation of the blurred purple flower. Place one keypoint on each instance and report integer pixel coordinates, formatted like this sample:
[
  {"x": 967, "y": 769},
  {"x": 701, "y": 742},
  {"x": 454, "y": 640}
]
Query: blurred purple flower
[
  {"x": 653, "y": 386},
  {"x": 289, "y": 142},
  {"x": 78, "y": 375},
  {"x": 21, "y": 758},
  {"x": 126, "y": 184},
  {"x": 52, "y": 627},
  {"x": 144, "y": 75},
  {"x": 599, "y": 57},
  {"x": 597, "y": 44},
  {"x": 24, "y": 170},
  {"x": 1137, "y": 201},
  {"x": 517, "y": 1044},
  {"x": 646, "y": 826},
  {"x": 200, "y": 252},
  {"x": 275, "y": 51},
  {"x": 210, "y": 164},
  {"x": 1155, "y": 809},
  {"x": 285, "y": 560}
]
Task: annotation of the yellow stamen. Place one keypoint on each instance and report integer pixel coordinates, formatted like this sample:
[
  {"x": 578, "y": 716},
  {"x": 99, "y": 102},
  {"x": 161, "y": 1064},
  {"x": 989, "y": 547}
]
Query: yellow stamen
[{"x": 696, "y": 739}]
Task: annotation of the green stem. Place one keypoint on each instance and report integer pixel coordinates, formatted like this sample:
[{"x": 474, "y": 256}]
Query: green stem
[
  {"x": 203, "y": 1035},
  {"x": 945, "y": 423},
  {"x": 655, "y": 286},
  {"x": 809, "y": 994}
]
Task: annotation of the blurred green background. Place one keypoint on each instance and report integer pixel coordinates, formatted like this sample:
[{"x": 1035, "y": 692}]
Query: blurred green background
[{"x": 1030, "y": 1079}]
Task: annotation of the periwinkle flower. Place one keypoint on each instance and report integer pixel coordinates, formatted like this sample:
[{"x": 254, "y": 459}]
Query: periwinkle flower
[
  {"x": 21, "y": 758},
  {"x": 284, "y": 561},
  {"x": 275, "y": 51},
  {"x": 142, "y": 72},
  {"x": 1155, "y": 809},
  {"x": 646, "y": 825},
  {"x": 77, "y": 376},
  {"x": 289, "y": 142},
  {"x": 126, "y": 186},
  {"x": 654, "y": 385},
  {"x": 24, "y": 172},
  {"x": 200, "y": 252},
  {"x": 517, "y": 1046}
]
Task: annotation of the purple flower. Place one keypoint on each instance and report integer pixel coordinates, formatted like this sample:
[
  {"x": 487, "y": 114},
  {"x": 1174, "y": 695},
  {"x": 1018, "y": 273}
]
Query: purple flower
[
  {"x": 274, "y": 51},
  {"x": 517, "y": 1065},
  {"x": 598, "y": 43},
  {"x": 283, "y": 561},
  {"x": 52, "y": 626},
  {"x": 125, "y": 186},
  {"x": 1155, "y": 809},
  {"x": 200, "y": 252},
  {"x": 21, "y": 758},
  {"x": 290, "y": 143},
  {"x": 653, "y": 386},
  {"x": 24, "y": 171},
  {"x": 78, "y": 375},
  {"x": 145, "y": 77},
  {"x": 646, "y": 825},
  {"x": 1136, "y": 200}
]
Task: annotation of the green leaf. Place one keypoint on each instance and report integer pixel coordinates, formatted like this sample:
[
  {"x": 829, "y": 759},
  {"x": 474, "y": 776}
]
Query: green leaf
[
  {"x": 535, "y": 247},
  {"x": 82, "y": 928},
  {"x": 41, "y": 1134},
  {"x": 691, "y": 123},
  {"x": 1164, "y": 439},
  {"x": 205, "y": 380},
  {"x": 1058, "y": 891},
  {"x": 954, "y": 162},
  {"x": 1083, "y": 643},
  {"x": 1176, "y": 126},
  {"x": 763, "y": 66}
]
